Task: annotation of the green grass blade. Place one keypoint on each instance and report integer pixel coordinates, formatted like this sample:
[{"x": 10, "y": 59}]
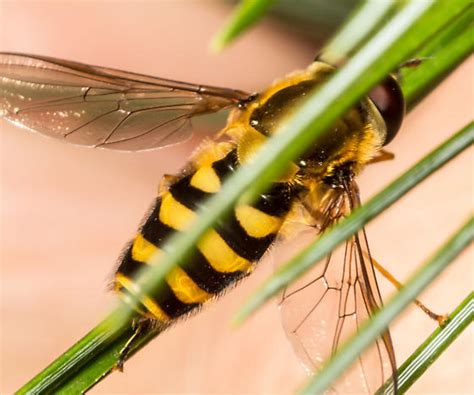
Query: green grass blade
[
  {"x": 67, "y": 366},
  {"x": 85, "y": 379},
  {"x": 316, "y": 20},
  {"x": 443, "y": 52},
  {"x": 380, "y": 321},
  {"x": 346, "y": 228},
  {"x": 429, "y": 351},
  {"x": 363, "y": 21},
  {"x": 245, "y": 15}
]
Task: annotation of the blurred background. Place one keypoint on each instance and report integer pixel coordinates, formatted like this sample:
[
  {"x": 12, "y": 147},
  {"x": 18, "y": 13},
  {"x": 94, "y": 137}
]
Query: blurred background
[{"x": 67, "y": 211}]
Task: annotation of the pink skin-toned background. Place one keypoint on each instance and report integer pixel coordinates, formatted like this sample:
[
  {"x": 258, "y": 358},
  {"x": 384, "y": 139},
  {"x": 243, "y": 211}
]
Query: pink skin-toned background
[{"x": 67, "y": 211}]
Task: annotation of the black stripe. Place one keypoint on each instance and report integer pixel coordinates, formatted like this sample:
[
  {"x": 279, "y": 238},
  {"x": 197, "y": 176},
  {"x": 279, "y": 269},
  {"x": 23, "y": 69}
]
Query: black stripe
[
  {"x": 206, "y": 277},
  {"x": 229, "y": 229},
  {"x": 277, "y": 201},
  {"x": 186, "y": 194},
  {"x": 248, "y": 247},
  {"x": 153, "y": 229},
  {"x": 128, "y": 266},
  {"x": 197, "y": 267},
  {"x": 164, "y": 297},
  {"x": 169, "y": 303},
  {"x": 226, "y": 165}
]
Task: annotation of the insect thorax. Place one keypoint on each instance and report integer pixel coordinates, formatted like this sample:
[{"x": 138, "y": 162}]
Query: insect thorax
[{"x": 353, "y": 139}]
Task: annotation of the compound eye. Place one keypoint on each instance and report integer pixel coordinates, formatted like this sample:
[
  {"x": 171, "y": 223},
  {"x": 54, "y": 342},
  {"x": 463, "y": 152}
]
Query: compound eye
[{"x": 389, "y": 100}]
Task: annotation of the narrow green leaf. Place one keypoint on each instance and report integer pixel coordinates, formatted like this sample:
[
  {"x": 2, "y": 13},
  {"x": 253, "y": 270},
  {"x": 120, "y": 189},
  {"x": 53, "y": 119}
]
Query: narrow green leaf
[
  {"x": 442, "y": 53},
  {"x": 316, "y": 20},
  {"x": 85, "y": 379},
  {"x": 69, "y": 364},
  {"x": 430, "y": 350},
  {"x": 346, "y": 228},
  {"x": 245, "y": 15},
  {"x": 380, "y": 321},
  {"x": 362, "y": 22}
]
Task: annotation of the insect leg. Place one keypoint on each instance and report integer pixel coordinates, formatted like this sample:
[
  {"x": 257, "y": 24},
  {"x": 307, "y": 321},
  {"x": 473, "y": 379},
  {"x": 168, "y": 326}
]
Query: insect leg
[
  {"x": 415, "y": 62},
  {"x": 410, "y": 63},
  {"x": 382, "y": 156},
  {"x": 441, "y": 319},
  {"x": 141, "y": 327}
]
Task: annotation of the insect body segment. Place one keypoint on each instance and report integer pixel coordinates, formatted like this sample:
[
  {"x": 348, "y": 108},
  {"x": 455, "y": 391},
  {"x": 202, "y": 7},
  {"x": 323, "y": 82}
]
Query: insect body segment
[{"x": 223, "y": 256}]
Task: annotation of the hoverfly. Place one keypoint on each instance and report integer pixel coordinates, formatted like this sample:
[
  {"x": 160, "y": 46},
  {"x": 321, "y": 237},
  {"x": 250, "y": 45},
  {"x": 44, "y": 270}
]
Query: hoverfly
[{"x": 112, "y": 109}]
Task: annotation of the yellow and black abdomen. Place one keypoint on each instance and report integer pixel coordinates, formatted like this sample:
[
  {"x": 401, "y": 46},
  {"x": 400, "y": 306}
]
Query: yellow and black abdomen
[{"x": 224, "y": 255}]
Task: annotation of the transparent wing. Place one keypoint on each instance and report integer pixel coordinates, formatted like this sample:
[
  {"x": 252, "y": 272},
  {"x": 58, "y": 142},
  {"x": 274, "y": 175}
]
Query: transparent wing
[
  {"x": 102, "y": 107},
  {"x": 328, "y": 305}
]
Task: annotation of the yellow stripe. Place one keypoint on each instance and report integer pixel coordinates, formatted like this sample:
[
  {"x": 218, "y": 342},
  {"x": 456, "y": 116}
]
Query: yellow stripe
[
  {"x": 210, "y": 152},
  {"x": 183, "y": 286},
  {"x": 174, "y": 214},
  {"x": 255, "y": 222},
  {"x": 206, "y": 180},
  {"x": 185, "y": 289},
  {"x": 249, "y": 144},
  {"x": 149, "y": 303},
  {"x": 220, "y": 256},
  {"x": 142, "y": 249}
]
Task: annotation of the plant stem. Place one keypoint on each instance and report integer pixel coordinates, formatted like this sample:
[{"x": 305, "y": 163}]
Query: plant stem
[
  {"x": 430, "y": 350},
  {"x": 362, "y": 22},
  {"x": 67, "y": 366},
  {"x": 246, "y": 14},
  {"x": 442, "y": 54}
]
